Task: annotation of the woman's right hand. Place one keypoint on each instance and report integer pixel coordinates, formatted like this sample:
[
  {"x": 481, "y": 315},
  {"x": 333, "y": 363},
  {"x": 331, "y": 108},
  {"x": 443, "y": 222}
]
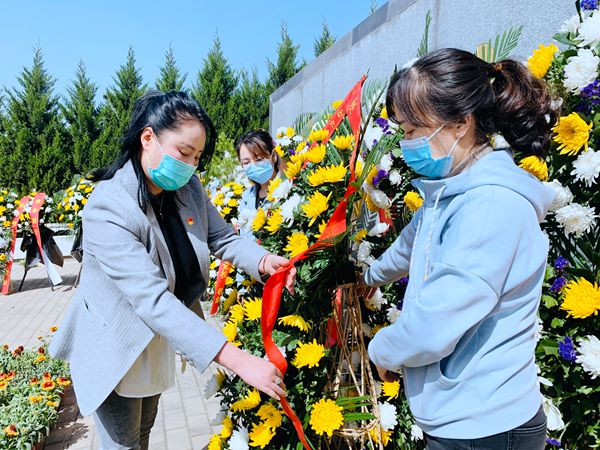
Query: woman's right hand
[{"x": 257, "y": 372}]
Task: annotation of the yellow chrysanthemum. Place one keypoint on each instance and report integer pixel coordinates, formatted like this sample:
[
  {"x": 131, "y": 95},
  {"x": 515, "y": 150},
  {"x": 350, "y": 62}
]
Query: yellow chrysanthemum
[
  {"x": 317, "y": 203},
  {"x": 253, "y": 309},
  {"x": 358, "y": 168},
  {"x": 273, "y": 184},
  {"x": 251, "y": 400},
  {"x": 227, "y": 427},
  {"x": 377, "y": 328},
  {"x": 316, "y": 154},
  {"x": 215, "y": 443},
  {"x": 274, "y": 221},
  {"x": 226, "y": 210},
  {"x": 236, "y": 313},
  {"x": 218, "y": 200},
  {"x": 318, "y": 135},
  {"x": 295, "y": 320},
  {"x": 581, "y": 299},
  {"x": 326, "y": 417},
  {"x": 413, "y": 200},
  {"x": 384, "y": 113},
  {"x": 296, "y": 243},
  {"x": 259, "y": 219},
  {"x": 260, "y": 435},
  {"x": 230, "y": 330},
  {"x": 232, "y": 203},
  {"x": 293, "y": 169},
  {"x": 300, "y": 146},
  {"x": 329, "y": 174},
  {"x": 386, "y": 435},
  {"x": 358, "y": 237},
  {"x": 230, "y": 300},
  {"x": 371, "y": 204},
  {"x": 336, "y": 104},
  {"x": 343, "y": 142},
  {"x": 290, "y": 132},
  {"x": 279, "y": 150},
  {"x": 572, "y": 133},
  {"x": 535, "y": 166},
  {"x": 322, "y": 226},
  {"x": 391, "y": 389},
  {"x": 270, "y": 415},
  {"x": 308, "y": 355},
  {"x": 540, "y": 61}
]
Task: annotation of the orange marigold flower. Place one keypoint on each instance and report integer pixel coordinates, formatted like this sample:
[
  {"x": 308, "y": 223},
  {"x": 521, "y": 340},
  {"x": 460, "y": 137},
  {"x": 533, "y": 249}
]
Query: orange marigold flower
[
  {"x": 53, "y": 329},
  {"x": 10, "y": 375},
  {"x": 62, "y": 381},
  {"x": 48, "y": 385},
  {"x": 52, "y": 404},
  {"x": 47, "y": 376},
  {"x": 3, "y": 385},
  {"x": 10, "y": 431},
  {"x": 34, "y": 381}
]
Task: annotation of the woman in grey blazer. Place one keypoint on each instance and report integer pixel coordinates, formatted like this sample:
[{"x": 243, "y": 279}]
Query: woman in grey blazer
[{"x": 149, "y": 228}]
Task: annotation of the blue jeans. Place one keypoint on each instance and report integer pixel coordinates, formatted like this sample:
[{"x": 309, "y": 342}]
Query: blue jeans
[
  {"x": 529, "y": 436},
  {"x": 124, "y": 423}
]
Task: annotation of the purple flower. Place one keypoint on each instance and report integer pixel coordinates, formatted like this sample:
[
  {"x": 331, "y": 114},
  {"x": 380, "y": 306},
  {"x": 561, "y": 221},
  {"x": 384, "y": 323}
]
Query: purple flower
[
  {"x": 558, "y": 285},
  {"x": 383, "y": 123},
  {"x": 560, "y": 264},
  {"x": 402, "y": 282},
  {"x": 292, "y": 152},
  {"x": 592, "y": 92},
  {"x": 589, "y": 5},
  {"x": 381, "y": 174},
  {"x": 566, "y": 349},
  {"x": 554, "y": 442}
]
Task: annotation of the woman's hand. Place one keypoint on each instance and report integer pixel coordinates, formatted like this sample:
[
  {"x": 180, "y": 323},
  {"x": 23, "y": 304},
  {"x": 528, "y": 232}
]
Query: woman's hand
[
  {"x": 386, "y": 375},
  {"x": 363, "y": 290},
  {"x": 257, "y": 372},
  {"x": 270, "y": 263}
]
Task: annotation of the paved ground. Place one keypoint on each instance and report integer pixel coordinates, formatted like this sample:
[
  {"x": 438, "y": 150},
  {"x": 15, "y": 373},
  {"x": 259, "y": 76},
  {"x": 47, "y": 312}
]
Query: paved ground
[{"x": 184, "y": 414}]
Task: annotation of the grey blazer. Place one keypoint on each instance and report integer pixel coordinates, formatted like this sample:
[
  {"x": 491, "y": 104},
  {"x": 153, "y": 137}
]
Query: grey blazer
[{"x": 127, "y": 283}]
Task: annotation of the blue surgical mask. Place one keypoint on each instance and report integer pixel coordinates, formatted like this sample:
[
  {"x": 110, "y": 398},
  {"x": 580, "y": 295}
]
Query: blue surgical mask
[
  {"x": 417, "y": 154},
  {"x": 171, "y": 174},
  {"x": 260, "y": 172}
]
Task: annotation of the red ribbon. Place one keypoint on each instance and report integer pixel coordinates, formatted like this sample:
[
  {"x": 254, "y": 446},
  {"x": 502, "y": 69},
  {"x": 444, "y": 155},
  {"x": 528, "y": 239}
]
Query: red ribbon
[
  {"x": 351, "y": 108},
  {"x": 224, "y": 269}
]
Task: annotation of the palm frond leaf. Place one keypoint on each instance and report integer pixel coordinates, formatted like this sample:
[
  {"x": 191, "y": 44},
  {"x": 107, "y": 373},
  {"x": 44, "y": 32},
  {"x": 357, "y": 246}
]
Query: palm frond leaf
[{"x": 424, "y": 46}]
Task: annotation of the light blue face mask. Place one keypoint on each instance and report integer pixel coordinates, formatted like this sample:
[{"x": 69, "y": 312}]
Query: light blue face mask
[
  {"x": 171, "y": 174},
  {"x": 260, "y": 172},
  {"x": 417, "y": 154}
]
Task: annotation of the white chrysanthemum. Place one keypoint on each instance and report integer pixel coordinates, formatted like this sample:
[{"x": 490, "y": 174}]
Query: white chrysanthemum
[
  {"x": 376, "y": 301},
  {"x": 364, "y": 252},
  {"x": 416, "y": 434},
  {"x": 576, "y": 219},
  {"x": 587, "y": 166},
  {"x": 379, "y": 198},
  {"x": 581, "y": 69},
  {"x": 386, "y": 162},
  {"x": 297, "y": 138},
  {"x": 563, "y": 195},
  {"x": 3, "y": 243},
  {"x": 589, "y": 30},
  {"x": 571, "y": 25},
  {"x": 283, "y": 190},
  {"x": 498, "y": 141},
  {"x": 212, "y": 386},
  {"x": 393, "y": 313},
  {"x": 542, "y": 380},
  {"x": 387, "y": 416},
  {"x": 239, "y": 439},
  {"x": 539, "y": 329},
  {"x": 366, "y": 329},
  {"x": 589, "y": 355},
  {"x": 212, "y": 273},
  {"x": 245, "y": 218},
  {"x": 379, "y": 229},
  {"x": 408, "y": 64},
  {"x": 280, "y": 131},
  {"x": 555, "y": 420},
  {"x": 395, "y": 177},
  {"x": 289, "y": 206},
  {"x": 284, "y": 141},
  {"x": 373, "y": 134}
]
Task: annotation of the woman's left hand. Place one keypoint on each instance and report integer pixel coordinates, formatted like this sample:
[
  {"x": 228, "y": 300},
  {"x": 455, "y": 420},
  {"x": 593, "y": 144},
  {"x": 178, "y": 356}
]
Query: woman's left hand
[
  {"x": 386, "y": 375},
  {"x": 271, "y": 263}
]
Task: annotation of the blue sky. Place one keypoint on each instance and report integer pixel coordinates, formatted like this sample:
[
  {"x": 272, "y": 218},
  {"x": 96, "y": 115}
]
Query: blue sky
[{"x": 100, "y": 32}]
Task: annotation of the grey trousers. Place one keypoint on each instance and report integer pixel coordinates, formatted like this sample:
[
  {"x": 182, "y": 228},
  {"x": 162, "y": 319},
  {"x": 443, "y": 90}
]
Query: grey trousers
[{"x": 124, "y": 423}]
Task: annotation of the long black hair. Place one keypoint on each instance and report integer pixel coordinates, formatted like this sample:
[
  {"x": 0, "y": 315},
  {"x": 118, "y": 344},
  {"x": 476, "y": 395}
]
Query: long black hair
[
  {"x": 161, "y": 112},
  {"x": 449, "y": 84}
]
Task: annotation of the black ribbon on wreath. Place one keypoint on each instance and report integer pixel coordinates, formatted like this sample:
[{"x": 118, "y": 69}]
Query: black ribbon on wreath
[{"x": 31, "y": 249}]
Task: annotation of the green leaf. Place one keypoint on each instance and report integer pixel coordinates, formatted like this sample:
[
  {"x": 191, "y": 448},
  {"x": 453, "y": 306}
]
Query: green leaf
[
  {"x": 503, "y": 45},
  {"x": 549, "y": 301},
  {"x": 350, "y": 417},
  {"x": 563, "y": 38},
  {"x": 424, "y": 46},
  {"x": 549, "y": 346},
  {"x": 557, "y": 323}
]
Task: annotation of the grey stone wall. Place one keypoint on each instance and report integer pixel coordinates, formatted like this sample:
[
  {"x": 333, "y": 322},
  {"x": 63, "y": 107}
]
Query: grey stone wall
[{"x": 391, "y": 35}]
